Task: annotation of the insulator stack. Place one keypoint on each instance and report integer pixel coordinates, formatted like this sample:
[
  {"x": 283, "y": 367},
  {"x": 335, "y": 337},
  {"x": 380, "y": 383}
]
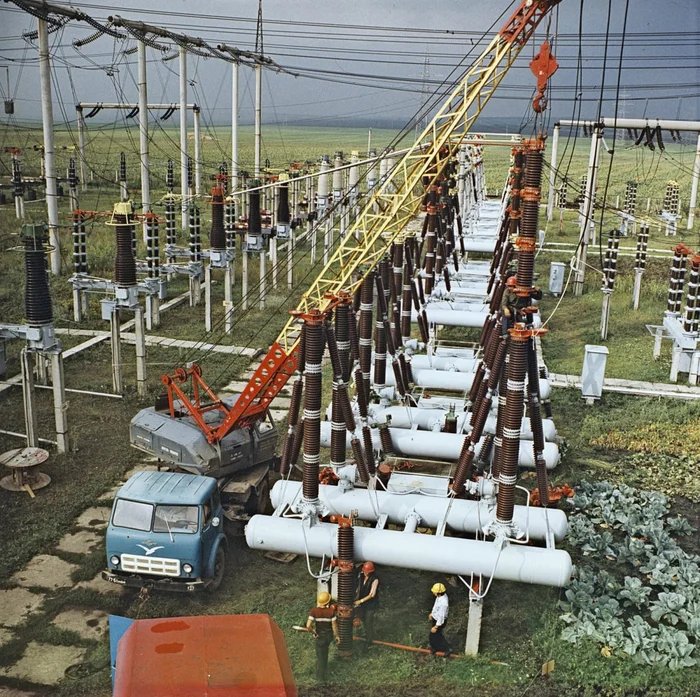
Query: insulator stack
[
  {"x": 37, "y": 299},
  {"x": 217, "y": 236},
  {"x": 500, "y": 417},
  {"x": 385, "y": 439},
  {"x": 610, "y": 261},
  {"x": 406, "y": 295},
  {"x": 338, "y": 403},
  {"x": 254, "y": 218},
  {"x": 152, "y": 245},
  {"x": 72, "y": 174},
  {"x": 406, "y": 373},
  {"x": 535, "y": 409},
  {"x": 630, "y": 205},
  {"x": 346, "y": 585},
  {"x": 396, "y": 293},
  {"x": 677, "y": 279},
  {"x": 482, "y": 459},
  {"x": 79, "y": 243},
  {"x": 640, "y": 257},
  {"x": 430, "y": 246},
  {"x": 190, "y": 173},
  {"x": 561, "y": 194},
  {"x": 17, "y": 184},
  {"x": 672, "y": 199},
  {"x": 439, "y": 257},
  {"x": 170, "y": 229},
  {"x": 125, "y": 262},
  {"x": 691, "y": 318},
  {"x": 195, "y": 234},
  {"x": 365, "y": 331},
  {"x": 122, "y": 167},
  {"x": 283, "y": 215},
  {"x": 230, "y": 223},
  {"x": 170, "y": 176},
  {"x": 379, "y": 353},
  {"x": 512, "y": 423},
  {"x": 342, "y": 337},
  {"x": 292, "y": 424},
  {"x": 527, "y": 239},
  {"x": 314, "y": 344}
]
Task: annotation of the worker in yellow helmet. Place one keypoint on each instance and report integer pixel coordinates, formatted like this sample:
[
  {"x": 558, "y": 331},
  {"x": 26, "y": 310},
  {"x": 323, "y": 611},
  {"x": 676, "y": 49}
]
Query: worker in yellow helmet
[
  {"x": 438, "y": 620},
  {"x": 323, "y": 624}
]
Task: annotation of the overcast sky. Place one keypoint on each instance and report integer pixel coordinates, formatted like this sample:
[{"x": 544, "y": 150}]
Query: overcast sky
[{"x": 658, "y": 68}]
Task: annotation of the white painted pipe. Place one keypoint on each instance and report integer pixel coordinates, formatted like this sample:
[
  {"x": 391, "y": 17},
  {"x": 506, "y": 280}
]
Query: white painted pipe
[
  {"x": 434, "y": 420},
  {"x": 448, "y": 380},
  {"x": 446, "y": 555},
  {"x": 424, "y": 362},
  {"x": 461, "y": 515},
  {"x": 482, "y": 245},
  {"x": 458, "y": 305},
  {"x": 453, "y": 318},
  {"x": 441, "y": 446}
]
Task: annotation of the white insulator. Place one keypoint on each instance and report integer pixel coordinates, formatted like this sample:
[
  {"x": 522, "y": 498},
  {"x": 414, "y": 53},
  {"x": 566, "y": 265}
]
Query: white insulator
[
  {"x": 323, "y": 190},
  {"x": 463, "y": 515},
  {"x": 442, "y": 446},
  {"x": 354, "y": 174},
  {"x": 446, "y": 555}
]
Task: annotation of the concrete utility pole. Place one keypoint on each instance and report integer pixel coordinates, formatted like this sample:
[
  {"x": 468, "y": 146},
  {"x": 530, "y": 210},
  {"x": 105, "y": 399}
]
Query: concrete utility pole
[
  {"x": 183, "y": 136},
  {"x": 258, "y": 90},
  {"x": 49, "y": 163},
  {"x": 553, "y": 173},
  {"x": 694, "y": 187},
  {"x": 143, "y": 133},
  {"x": 81, "y": 145},
  {"x": 234, "y": 127},
  {"x": 588, "y": 209}
]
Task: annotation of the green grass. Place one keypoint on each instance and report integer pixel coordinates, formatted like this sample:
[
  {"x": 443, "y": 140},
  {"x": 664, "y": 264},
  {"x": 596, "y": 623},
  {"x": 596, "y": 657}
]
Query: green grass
[{"x": 520, "y": 627}]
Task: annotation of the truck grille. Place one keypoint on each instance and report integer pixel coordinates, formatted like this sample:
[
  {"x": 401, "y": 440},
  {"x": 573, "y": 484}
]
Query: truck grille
[{"x": 157, "y": 566}]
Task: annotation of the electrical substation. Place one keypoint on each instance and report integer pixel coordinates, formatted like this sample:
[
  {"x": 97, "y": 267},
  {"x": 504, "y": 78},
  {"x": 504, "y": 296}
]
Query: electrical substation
[{"x": 367, "y": 372}]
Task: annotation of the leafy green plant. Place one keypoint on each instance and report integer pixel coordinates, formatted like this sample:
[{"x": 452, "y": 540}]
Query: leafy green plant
[
  {"x": 634, "y": 593},
  {"x": 667, "y": 607}
]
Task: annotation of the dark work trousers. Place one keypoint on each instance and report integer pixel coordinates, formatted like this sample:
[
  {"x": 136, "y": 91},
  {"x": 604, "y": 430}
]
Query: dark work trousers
[
  {"x": 367, "y": 615},
  {"x": 437, "y": 640},
  {"x": 322, "y": 643}
]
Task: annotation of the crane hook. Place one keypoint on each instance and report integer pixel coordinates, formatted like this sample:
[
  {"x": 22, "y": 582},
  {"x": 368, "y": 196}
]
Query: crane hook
[{"x": 544, "y": 65}]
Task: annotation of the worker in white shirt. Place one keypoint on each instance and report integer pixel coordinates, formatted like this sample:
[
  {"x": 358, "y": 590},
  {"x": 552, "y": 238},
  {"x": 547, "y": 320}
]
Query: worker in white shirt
[{"x": 438, "y": 619}]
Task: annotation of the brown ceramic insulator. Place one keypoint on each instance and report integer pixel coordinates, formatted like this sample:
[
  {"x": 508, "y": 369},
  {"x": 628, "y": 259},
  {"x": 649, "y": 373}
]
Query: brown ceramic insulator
[
  {"x": 414, "y": 296},
  {"x": 389, "y": 336},
  {"x": 408, "y": 245},
  {"x": 397, "y": 270},
  {"x": 286, "y": 458},
  {"x": 360, "y": 460},
  {"x": 405, "y": 366},
  {"x": 384, "y": 275},
  {"x": 333, "y": 352},
  {"x": 37, "y": 297},
  {"x": 368, "y": 449},
  {"x": 430, "y": 245},
  {"x": 396, "y": 324},
  {"x": 505, "y": 259},
  {"x": 500, "y": 415},
  {"x": 497, "y": 297},
  {"x": 420, "y": 288},
  {"x": 217, "y": 233},
  {"x": 338, "y": 429},
  {"x": 424, "y": 228},
  {"x": 346, "y": 408},
  {"x": 536, "y": 424},
  {"x": 315, "y": 340},
  {"x": 463, "y": 470},
  {"x": 497, "y": 365},
  {"x": 398, "y": 378},
  {"x": 485, "y": 331},
  {"x": 295, "y": 402},
  {"x": 283, "y": 215},
  {"x": 362, "y": 401},
  {"x": 439, "y": 257},
  {"x": 446, "y": 276},
  {"x": 356, "y": 298},
  {"x": 450, "y": 424},
  {"x": 512, "y": 424},
  {"x": 526, "y": 267},
  {"x": 424, "y": 326},
  {"x": 379, "y": 354},
  {"x": 491, "y": 348},
  {"x": 365, "y": 330},
  {"x": 346, "y": 587},
  {"x": 533, "y": 168},
  {"x": 354, "y": 337},
  {"x": 385, "y": 439},
  {"x": 478, "y": 404},
  {"x": 301, "y": 358},
  {"x": 476, "y": 383},
  {"x": 297, "y": 442},
  {"x": 342, "y": 336},
  {"x": 124, "y": 262},
  {"x": 482, "y": 459},
  {"x": 254, "y": 218}
]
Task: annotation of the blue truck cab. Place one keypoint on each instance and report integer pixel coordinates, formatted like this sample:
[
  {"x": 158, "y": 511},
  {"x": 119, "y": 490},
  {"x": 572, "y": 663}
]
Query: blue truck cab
[{"x": 166, "y": 530}]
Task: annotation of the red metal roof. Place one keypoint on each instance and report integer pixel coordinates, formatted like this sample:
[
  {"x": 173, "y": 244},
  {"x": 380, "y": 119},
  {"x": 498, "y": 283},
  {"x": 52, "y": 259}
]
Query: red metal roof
[{"x": 204, "y": 656}]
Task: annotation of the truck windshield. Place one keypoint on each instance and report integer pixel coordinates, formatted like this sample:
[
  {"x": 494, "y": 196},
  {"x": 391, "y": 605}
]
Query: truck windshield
[
  {"x": 175, "y": 518},
  {"x": 132, "y": 514}
]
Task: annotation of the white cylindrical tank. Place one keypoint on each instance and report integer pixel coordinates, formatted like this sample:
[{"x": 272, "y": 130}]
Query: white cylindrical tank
[
  {"x": 447, "y": 555},
  {"x": 463, "y": 516},
  {"x": 441, "y": 446},
  {"x": 452, "y": 318}
]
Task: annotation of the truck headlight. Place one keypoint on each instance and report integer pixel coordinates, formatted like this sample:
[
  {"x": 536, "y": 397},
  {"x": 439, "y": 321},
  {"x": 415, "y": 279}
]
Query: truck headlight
[
  {"x": 187, "y": 568},
  {"x": 114, "y": 560}
]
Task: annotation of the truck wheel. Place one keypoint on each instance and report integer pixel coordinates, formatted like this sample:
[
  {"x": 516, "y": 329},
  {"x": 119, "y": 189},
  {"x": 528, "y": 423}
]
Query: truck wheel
[
  {"x": 219, "y": 569},
  {"x": 263, "y": 505}
]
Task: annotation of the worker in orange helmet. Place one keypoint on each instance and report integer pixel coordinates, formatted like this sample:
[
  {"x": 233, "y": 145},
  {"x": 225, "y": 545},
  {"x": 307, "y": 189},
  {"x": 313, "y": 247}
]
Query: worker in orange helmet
[
  {"x": 512, "y": 304},
  {"x": 322, "y": 622},
  {"x": 367, "y": 599}
]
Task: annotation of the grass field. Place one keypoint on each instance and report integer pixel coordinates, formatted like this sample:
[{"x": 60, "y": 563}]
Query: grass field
[{"x": 521, "y": 628}]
